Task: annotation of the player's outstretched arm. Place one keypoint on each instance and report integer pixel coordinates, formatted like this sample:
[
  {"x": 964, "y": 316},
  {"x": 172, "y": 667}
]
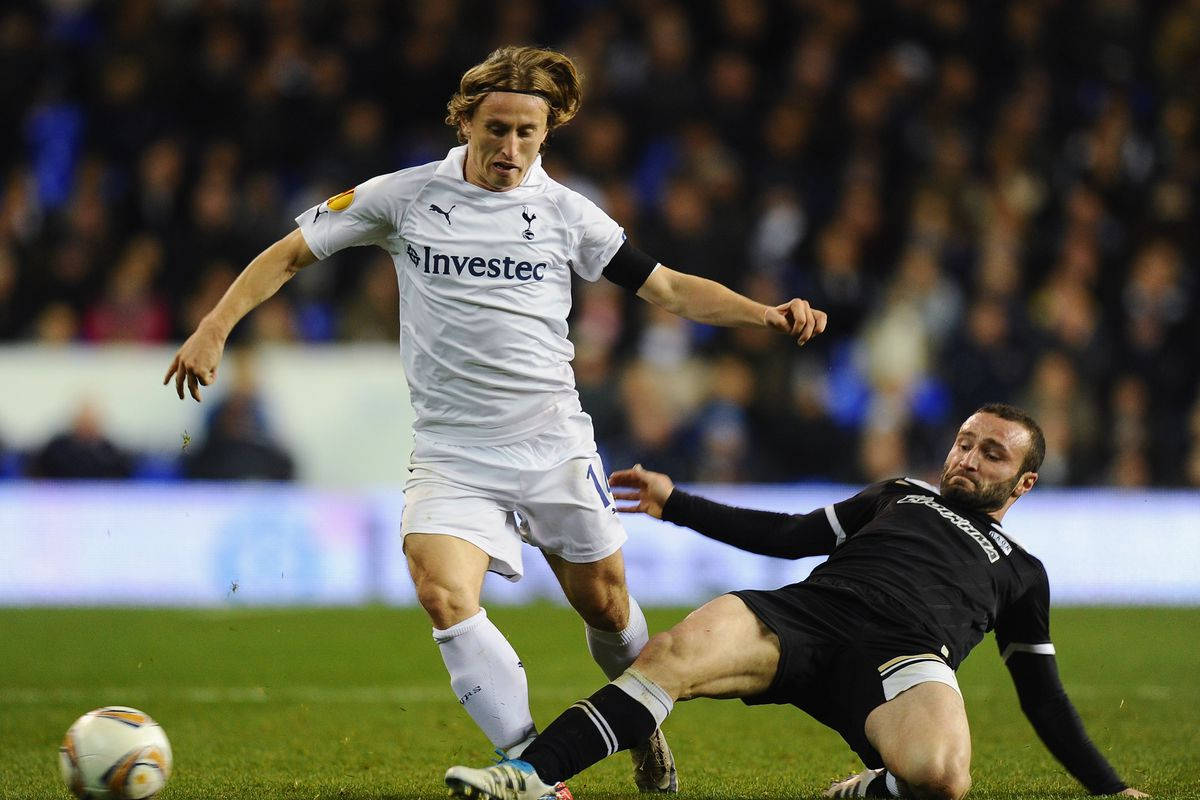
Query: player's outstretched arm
[
  {"x": 767, "y": 533},
  {"x": 196, "y": 361},
  {"x": 702, "y": 300},
  {"x": 1058, "y": 725}
]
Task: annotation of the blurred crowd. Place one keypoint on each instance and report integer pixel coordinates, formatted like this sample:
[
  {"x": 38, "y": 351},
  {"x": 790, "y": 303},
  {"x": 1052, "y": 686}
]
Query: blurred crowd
[{"x": 992, "y": 201}]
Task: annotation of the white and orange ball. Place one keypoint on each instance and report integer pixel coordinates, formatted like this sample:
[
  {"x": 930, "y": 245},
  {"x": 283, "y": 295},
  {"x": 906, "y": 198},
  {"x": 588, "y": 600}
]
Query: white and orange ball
[{"x": 115, "y": 753}]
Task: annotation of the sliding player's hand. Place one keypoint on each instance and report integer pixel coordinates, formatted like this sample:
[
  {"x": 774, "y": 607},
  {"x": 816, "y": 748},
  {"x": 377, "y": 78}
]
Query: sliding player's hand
[
  {"x": 649, "y": 489},
  {"x": 196, "y": 361},
  {"x": 797, "y": 319}
]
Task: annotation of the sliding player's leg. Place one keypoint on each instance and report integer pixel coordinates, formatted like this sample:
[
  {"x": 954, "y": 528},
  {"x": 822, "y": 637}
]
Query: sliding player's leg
[
  {"x": 567, "y": 510},
  {"x": 616, "y": 632},
  {"x": 925, "y": 742},
  {"x": 720, "y": 650}
]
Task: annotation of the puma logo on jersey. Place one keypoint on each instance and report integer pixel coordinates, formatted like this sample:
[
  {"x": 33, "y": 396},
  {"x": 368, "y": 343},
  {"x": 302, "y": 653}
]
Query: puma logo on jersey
[
  {"x": 529, "y": 218},
  {"x": 320, "y": 211},
  {"x": 445, "y": 214}
]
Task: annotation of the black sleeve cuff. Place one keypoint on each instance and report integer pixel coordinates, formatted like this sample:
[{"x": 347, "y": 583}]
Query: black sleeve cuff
[{"x": 629, "y": 267}]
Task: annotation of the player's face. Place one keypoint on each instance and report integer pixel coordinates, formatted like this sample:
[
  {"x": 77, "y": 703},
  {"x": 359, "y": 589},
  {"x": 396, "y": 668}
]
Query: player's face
[
  {"x": 503, "y": 139},
  {"x": 983, "y": 469}
]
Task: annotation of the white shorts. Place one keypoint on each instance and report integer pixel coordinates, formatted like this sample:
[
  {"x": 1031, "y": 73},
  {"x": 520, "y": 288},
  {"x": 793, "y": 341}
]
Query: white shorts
[{"x": 550, "y": 491}]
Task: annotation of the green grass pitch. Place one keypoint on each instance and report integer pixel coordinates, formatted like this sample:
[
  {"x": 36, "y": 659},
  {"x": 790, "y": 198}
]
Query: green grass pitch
[{"x": 354, "y": 703}]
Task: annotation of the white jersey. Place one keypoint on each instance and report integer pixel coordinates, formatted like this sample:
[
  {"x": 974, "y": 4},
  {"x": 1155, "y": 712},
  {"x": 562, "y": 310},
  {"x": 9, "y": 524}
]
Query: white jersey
[{"x": 485, "y": 289}]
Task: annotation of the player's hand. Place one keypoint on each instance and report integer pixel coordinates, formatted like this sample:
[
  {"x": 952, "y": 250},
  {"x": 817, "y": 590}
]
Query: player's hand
[
  {"x": 797, "y": 319},
  {"x": 196, "y": 361},
  {"x": 1131, "y": 792},
  {"x": 649, "y": 489}
]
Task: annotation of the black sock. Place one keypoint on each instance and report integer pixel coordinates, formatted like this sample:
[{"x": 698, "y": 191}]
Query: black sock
[
  {"x": 588, "y": 732},
  {"x": 878, "y": 787}
]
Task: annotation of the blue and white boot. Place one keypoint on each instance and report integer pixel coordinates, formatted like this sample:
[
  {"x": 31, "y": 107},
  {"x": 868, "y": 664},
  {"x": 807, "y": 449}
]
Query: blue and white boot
[{"x": 511, "y": 779}]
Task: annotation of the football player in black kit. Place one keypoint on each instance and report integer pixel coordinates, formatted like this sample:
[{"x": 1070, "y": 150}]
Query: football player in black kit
[{"x": 867, "y": 644}]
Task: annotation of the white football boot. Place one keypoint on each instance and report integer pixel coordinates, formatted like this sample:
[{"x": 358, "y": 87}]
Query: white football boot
[
  {"x": 855, "y": 785},
  {"x": 654, "y": 766},
  {"x": 509, "y": 780}
]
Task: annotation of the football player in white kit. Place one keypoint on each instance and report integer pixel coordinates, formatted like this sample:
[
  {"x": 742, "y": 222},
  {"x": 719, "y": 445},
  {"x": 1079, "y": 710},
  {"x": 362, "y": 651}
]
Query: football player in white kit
[{"x": 484, "y": 244}]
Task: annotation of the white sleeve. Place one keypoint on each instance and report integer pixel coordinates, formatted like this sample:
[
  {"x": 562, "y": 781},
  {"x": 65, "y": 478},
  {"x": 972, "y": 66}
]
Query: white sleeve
[
  {"x": 596, "y": 239},
  {"x": 366, "y": 214}
]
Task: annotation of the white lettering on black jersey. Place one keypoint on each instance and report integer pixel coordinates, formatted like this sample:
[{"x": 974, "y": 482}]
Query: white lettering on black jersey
[
  {"x": 957, "y": 521},
  {"x": 951, "y": 568}
]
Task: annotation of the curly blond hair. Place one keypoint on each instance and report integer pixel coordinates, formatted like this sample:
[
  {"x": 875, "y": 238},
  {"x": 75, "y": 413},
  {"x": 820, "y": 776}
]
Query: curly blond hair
[{"x": 547, "y": 74}]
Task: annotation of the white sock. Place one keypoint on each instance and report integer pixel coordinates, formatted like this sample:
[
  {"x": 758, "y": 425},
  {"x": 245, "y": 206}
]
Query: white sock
[
  {"x": 488, "y": 679},
  {"x": 647, "y": 692},
  {"x": 889, "y": 780},
  {"x": 615, "y": 651}
]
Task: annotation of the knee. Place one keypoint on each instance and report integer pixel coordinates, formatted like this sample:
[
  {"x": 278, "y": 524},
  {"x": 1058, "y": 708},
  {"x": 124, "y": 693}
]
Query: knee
[
  {"x": 604, "y": 607},
  {"x": 446, "y": 605},
  {"x": 946, "y": 779},
  {"x": 663, "y": 660}
]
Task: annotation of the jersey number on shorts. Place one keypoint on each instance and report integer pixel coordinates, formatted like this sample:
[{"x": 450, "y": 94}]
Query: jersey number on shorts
[{"x": 597, "y": 484}]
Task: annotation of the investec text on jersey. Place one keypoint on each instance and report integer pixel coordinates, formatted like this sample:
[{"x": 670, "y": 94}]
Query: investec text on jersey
[{"x": 477, "y": 266}]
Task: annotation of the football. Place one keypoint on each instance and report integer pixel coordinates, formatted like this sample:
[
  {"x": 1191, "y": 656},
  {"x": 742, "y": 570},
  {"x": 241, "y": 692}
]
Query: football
[{"x": 115, "y": 753}]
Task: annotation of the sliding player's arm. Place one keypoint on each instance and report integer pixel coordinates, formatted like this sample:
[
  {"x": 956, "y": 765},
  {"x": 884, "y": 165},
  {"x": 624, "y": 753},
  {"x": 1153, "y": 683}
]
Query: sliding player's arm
[
  {"x": 767, "y": 533},
  {"x": 1023, "y": 634},
  {"x": 196, "y": 361}
]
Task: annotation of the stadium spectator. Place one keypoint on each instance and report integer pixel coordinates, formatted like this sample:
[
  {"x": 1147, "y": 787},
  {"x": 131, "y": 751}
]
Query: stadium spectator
[
  {"x": 81, "y": 452},
  {"x": 370, "y": 314},
  {"x": 986, "y": 358},
  {"x": 56, "y": 324},
  {"x": 723, "y": 433},
  {"x": 130, "y": 310},
  {"x": 1044, "y": 160},
  {"x": 238, "y": 444},
  {"x": 11, "y": 308}
]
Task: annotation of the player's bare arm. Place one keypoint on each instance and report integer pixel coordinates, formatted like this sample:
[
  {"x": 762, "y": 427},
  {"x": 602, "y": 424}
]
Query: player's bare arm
[
  {"x": 196, "y": 361},
  {"x": 702, "y": 300}
]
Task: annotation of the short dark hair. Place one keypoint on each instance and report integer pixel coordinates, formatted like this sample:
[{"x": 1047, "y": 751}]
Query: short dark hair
[{"x": 1037, "y": 440}]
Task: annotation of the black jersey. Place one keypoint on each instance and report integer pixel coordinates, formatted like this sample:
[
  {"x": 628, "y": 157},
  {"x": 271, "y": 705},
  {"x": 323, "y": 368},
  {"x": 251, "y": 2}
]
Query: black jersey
[
  {"x": 910, "y": 553},
  {"x": 918, "y": 559},
  {"x": 952, "y": 570}
]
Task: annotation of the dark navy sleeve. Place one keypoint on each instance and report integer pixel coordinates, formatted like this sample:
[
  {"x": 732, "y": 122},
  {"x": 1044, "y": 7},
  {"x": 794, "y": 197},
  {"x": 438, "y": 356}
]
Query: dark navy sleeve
[
  {"x": 1024, "y": 625},
  {"x": 849, "y": 516},
  {"x": 771, "y": 533},
  {"x": 1023, "y": 635},
  {"x": 767, "y": 533}
]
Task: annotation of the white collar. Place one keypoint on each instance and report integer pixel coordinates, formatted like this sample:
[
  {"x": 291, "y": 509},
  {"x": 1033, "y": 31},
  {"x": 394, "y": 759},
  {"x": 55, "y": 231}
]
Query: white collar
[
  {"x": 452, "y": 167},
  {"x": 923, "y": 485}
]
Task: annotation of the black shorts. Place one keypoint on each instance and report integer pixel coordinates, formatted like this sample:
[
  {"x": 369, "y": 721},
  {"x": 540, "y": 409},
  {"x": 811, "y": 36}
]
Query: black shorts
[{"x": 840, "y": 657}]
